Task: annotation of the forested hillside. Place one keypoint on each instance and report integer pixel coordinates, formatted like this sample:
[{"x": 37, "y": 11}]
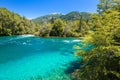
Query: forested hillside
[
  {"x": 74, "y": 15},
  {"x": 13, "y": 24},
  {"x": 73, "y": 24},
  {"x": 46, "y": 18}
]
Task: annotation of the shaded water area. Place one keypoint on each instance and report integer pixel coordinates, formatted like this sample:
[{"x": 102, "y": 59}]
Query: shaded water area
[{"x": 31, "y": 58}]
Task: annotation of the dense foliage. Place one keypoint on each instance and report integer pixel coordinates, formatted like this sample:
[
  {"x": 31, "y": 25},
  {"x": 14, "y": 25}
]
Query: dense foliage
[
  {"x": 58, "y": 28},
  {"x": 103, "y": 61},
  {"x": 13, "y": 24}
]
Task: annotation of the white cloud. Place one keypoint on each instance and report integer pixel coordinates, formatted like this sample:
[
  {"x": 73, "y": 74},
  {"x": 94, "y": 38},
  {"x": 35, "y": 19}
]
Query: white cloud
[{"x": 55, "y": 13}]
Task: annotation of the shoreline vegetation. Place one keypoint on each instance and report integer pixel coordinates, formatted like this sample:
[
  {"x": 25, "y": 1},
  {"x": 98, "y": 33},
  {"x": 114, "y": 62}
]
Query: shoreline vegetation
[{"x": 101, "y": 29}]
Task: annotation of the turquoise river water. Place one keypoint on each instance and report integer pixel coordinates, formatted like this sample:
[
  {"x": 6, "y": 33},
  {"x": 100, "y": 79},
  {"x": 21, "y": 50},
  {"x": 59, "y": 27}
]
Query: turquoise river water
[{"x": 28, "y": 57}]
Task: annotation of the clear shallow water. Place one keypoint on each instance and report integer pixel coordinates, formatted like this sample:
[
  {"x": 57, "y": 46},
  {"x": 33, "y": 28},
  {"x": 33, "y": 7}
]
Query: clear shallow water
[{"x": 33, "y": 58}]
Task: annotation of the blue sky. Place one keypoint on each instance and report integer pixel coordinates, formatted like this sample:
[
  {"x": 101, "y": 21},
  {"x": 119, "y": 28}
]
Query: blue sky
[{"x": 36, "y": 8}]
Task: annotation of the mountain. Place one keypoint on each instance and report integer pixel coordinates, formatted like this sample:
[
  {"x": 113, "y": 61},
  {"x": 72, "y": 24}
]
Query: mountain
[
  {"x": 74, "y": 15},
  {"x": 45, "y": 18},
  {"x": 13, "y": 24}
]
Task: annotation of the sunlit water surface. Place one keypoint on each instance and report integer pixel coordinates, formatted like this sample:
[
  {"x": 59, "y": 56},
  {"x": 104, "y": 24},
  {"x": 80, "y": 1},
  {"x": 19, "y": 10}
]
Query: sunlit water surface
[{"x": 31, "y": 58}]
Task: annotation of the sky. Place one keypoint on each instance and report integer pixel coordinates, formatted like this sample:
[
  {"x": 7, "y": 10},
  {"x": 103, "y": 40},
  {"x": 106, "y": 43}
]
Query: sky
[{"x": 35, "y": 8}]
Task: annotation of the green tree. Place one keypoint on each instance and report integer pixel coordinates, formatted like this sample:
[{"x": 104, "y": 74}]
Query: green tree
[
  {"x": 45, "y": 30},
  {"x": 104, "y": 5},
  {"x": 103, "y": 61},
  {"x": 107, "y": 5},
  {"x": 58, "y": 28},
  {"x": 13, "y": 24}
]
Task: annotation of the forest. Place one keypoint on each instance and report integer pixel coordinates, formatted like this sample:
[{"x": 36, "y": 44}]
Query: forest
[
  {"x": 101, "y": 29},
  {"x": 73, "y": 24}
]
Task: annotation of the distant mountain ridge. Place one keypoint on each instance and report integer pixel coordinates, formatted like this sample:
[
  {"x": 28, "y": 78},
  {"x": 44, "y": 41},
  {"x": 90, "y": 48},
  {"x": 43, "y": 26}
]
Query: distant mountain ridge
[
  {"x": 74, "y": 15},
  {"x": 41, "y": 19}
]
